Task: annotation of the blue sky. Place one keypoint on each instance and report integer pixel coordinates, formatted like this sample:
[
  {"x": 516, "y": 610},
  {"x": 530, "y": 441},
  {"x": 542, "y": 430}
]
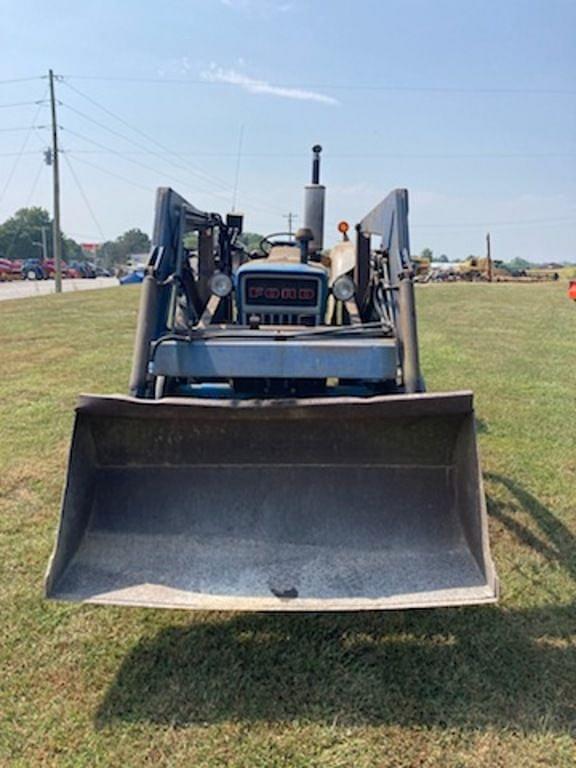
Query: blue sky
[{"x": 470, "y": 105}]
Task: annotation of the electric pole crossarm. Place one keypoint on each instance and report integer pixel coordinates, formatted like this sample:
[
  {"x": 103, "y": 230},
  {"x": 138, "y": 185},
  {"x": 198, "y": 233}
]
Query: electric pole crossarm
[{"x": 291, "y": 218}]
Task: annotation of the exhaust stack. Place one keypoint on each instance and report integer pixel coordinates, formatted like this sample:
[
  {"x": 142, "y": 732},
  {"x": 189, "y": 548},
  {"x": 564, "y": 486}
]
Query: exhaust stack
[{"x": 314, "y": 203}]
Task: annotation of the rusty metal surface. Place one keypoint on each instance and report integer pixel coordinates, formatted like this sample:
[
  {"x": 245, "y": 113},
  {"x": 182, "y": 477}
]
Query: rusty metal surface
[{"x": 274, "y": 505}]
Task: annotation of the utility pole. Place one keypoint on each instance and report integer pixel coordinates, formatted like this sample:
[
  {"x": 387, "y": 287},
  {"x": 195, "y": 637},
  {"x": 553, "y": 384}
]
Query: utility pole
[
  {"x": 488, "y": 258},
  {"x": 44, "y": 244},
  {"x": 56, "y": 233},
  {"x": 291, "y": 217}
]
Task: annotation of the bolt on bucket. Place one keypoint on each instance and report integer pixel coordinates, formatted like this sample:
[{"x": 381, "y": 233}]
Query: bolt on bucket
[{"x": 344, "y": 504}]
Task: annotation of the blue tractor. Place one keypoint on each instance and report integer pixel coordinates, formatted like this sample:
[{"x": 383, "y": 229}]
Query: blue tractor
[{"x": 277, "y": 449}]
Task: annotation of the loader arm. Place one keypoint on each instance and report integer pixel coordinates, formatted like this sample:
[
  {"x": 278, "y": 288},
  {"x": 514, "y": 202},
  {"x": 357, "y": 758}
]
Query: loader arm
[
  {"x": 381, "y": 356},
  {"x": 277, "y": 450}
]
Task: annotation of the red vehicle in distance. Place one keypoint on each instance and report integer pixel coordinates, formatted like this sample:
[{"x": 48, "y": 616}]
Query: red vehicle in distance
[
  {"x": 10, "y": 270},
  {"x": 49, "y": 268}
]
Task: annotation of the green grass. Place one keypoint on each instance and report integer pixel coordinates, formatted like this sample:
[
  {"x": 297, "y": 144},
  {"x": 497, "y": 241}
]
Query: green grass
[{"x": 90, "y": 686}]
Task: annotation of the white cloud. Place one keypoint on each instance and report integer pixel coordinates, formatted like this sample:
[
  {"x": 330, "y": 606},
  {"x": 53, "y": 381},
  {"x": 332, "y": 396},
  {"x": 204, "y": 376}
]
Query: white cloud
[{"x": 252, "y": 85}]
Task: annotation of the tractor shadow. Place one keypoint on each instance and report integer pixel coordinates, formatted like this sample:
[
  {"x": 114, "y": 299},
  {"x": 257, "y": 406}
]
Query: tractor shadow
[
  {"x": 546, "y": 534},
  {"x": 481, "y": 426},
  {"x": 455, "y": 668}
]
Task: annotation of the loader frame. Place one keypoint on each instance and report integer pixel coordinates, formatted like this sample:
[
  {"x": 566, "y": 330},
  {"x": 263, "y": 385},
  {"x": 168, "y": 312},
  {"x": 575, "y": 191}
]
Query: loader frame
[
  {"x": 381, "y": 346},
  {"x": 278, "y": 466}
]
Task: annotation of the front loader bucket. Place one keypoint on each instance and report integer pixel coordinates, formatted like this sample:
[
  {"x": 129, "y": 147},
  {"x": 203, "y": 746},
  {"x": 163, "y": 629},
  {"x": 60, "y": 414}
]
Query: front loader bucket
[{"x": 344, "y": 504}]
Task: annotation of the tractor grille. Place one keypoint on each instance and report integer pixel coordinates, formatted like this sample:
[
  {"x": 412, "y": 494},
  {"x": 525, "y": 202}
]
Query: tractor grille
[
  {"x": 287, "y": 319},
  {"x": 287, "y": 295},
  {"x": 284, "y": 319}
]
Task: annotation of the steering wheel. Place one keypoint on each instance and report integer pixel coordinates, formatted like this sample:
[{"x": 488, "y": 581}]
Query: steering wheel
[{"x": 267, "y": 242}]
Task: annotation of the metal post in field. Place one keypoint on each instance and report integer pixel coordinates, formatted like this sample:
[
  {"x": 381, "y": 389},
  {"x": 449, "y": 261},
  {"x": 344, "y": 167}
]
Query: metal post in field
[{"x": 56, "y": 233}]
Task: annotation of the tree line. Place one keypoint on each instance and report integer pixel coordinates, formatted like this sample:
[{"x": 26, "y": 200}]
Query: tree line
[{"x": 22, "y": 236}]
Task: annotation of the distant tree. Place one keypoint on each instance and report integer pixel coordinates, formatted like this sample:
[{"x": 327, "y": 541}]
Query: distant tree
[
  {"x": 519, "y": 263},
  {"x": 426, "y": 253},
  {"x": 250, "y": 240},
  {"x": 116, "y": 252},
  {"x": 108, "y": 254},
  {"x": 71, "y": 251},
  {"x": 133, "y": 241},
  {"x": 443, "y": 258},
  {"x": 21, "y": 235}
]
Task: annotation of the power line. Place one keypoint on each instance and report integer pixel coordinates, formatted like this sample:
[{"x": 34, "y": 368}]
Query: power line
[
  {"x": 34, "y": 184},
  {"x": 20, "y": 104},
  {"x": 293, "y": 216},
  {"x": 135, "y": 162},
  {"x": 15, "y": 154},
  {"x": 334, "y": 86},
  {"x": 22, "y": 79},
  {"x": 114, "y": 175},
  {"x": 486, "y": 224},
  {"x": 147, "y": 167},
  {"x": 20, "y": 153},
  {"x": 22, "y": 128},
  {"x": 140, "y": 132},
  {"x": 117, "y": 133},
  {"x": 195, "y": 170},
  {"x": 84, "y": 197},
  {"x": 26, "y": 205},
  {"x": 365, "y": 155}
]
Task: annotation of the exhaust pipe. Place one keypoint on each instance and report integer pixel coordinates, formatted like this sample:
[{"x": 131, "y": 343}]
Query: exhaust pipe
[{"x": 314, "y": 204}]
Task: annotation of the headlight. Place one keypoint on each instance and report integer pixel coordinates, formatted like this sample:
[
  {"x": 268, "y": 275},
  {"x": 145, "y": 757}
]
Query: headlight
[
  {"x": 220, "y": 284},
  {"x": 344, "y": 288}
]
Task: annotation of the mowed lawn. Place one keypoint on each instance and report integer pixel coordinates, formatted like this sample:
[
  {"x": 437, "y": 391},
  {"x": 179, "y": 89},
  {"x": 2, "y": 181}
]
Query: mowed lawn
[{"x": 492, "y": 686}]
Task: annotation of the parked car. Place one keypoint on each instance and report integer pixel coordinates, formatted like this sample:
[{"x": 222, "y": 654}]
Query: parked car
[
  {"x": 10, "y": 270},
  {"x": 83, "y": 269},
  {"x": 72, "y": 272},
  {"x": 33, "y": 269},
  {"x": 89, "y": 270},
  {"x": 49, "y": 267},
  {"x": 137, "y": 276}
]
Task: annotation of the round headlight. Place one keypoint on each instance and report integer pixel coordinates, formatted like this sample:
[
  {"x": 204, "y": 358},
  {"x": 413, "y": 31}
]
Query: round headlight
[
  {"x": 344, "y": 288},
  {"x": 220, "y": 284}
]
